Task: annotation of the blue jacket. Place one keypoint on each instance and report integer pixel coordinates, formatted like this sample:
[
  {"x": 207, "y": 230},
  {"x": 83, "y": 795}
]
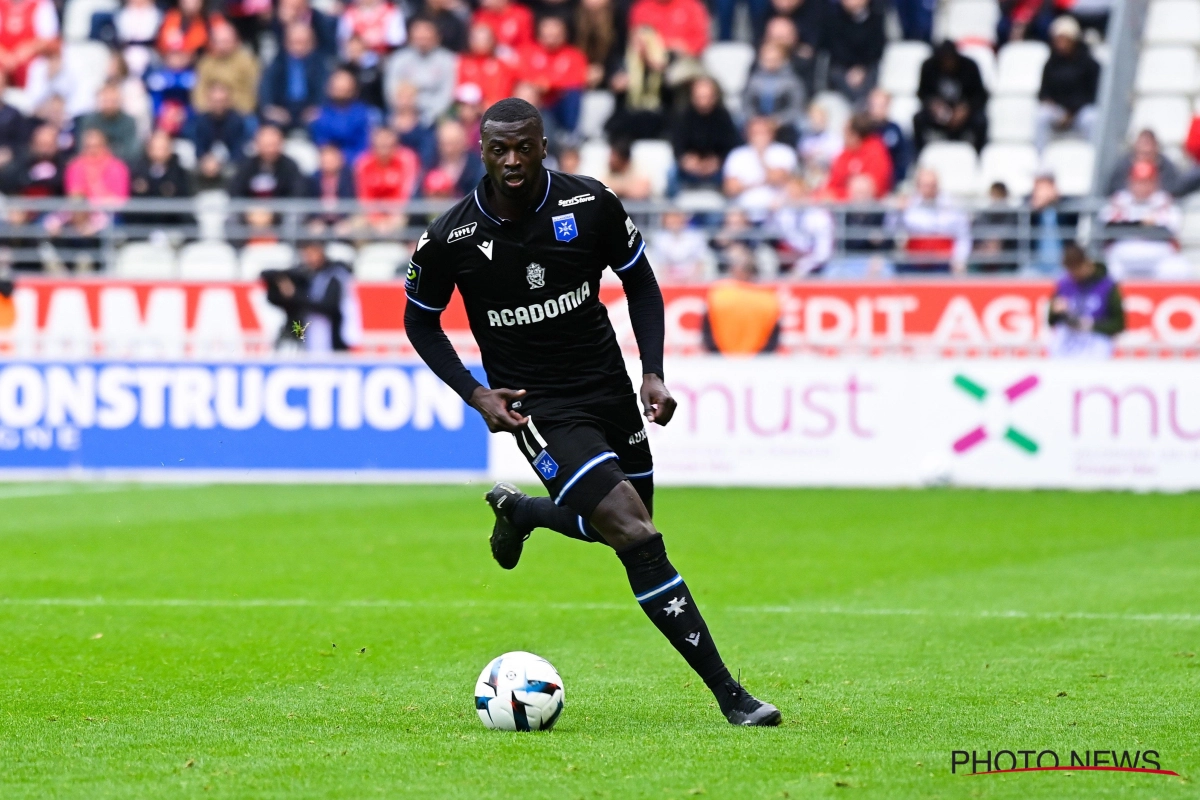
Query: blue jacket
[
  {"x": 273, "y": 90},
  {"x": 348, "y": 127},
  {"x": 232, "y": 130}
]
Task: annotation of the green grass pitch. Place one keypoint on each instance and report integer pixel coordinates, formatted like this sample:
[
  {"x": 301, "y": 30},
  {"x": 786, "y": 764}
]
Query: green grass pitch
[{"x": 180, "y": 643}]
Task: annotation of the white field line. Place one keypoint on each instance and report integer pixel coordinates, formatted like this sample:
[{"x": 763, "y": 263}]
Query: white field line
[
  {"x": 16, "y": 491},
  {"x": 250, "y": 603}
]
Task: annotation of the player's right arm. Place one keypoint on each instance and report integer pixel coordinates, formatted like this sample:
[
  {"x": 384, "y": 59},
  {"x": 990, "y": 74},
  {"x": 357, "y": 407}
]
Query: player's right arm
[{"x": 428, "y": 286}]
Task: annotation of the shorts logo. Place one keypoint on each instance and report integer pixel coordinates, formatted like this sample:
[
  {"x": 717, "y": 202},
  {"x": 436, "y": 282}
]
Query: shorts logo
[
  {"x": 536, "y": 275},
  {"x": 577, "y": 199},
  {"x": 412, "y": 278},
  {"x": 545, "y": 465},
  {"x": 640, "y": 436},
  {"x": 462, "y": 233},
  {"x": 565, "y": 228}
]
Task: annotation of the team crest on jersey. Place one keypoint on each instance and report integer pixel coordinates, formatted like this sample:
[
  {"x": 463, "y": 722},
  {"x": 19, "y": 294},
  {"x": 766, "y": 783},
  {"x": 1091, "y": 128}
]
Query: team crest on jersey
[
  {"x": 565, "y": 228},
  {"x": 546, "y": 465},
  {"x": 536, "y": 275},
  {"x": 462, "y": 233}
]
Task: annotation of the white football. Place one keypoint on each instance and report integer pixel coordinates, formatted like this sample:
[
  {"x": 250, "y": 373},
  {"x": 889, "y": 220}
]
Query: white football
[{"x": 519, "y": 691}]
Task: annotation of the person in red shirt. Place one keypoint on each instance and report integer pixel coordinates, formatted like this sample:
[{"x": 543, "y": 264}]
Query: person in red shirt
[
  {"x": 481, "y": 66},
  {"x": 682, "y": 24},
  {"x": 511, "y": 22},
  {"x": 28, "y": 29},
  {"x": 187, "y": 27},
  {"x": 558, "y": 69},
  {"x": 864, "y": 153},
  {"x": 386, "y": 173}
]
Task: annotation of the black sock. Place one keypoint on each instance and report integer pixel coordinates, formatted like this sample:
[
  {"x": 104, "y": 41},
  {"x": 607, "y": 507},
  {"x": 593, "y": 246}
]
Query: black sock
[
  {"x": 668, "y": 603},
  {"x": 540, "y": 512}
]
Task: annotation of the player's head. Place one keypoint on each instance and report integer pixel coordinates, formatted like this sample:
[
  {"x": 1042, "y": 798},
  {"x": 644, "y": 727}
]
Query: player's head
[{"x": 513, "y": 145}]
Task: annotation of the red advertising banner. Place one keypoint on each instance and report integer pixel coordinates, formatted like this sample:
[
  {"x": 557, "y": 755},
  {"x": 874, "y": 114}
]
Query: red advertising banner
[{"x": 132, "y": 319}]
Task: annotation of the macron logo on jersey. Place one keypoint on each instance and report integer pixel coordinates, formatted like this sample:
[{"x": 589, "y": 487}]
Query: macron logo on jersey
[
  {"x": 462, "y": 233},
  {"x": 536, "y": 312}
]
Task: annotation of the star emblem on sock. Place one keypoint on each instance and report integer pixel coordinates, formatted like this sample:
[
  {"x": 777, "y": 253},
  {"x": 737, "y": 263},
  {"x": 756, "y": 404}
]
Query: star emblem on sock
[{"x": 675, "y": 607}]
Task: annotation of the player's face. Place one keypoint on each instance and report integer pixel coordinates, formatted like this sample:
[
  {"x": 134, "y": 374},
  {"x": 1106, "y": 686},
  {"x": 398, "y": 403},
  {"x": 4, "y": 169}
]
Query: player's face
[{"x": 512, "y": 155}]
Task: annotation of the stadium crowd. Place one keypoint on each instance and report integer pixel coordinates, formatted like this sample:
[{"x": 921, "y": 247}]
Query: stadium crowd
[{"x": 206, "y": 95}]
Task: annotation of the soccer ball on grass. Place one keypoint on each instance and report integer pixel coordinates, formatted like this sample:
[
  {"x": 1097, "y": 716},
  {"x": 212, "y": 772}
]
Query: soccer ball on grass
[{"x": 519, "y": 691}]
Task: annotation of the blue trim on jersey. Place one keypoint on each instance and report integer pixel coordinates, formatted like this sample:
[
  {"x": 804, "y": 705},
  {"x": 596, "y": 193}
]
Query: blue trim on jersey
[
  {"x": 579, "y": 519},
  {"x": 584, "y": 470},
  {"x": 412, "y": 299},
  {"x": 547, "y": 196},
  {"x": 657, "y": 590},
  {"x": 489, "y": 216},
  {"x": 639, "y": 474},
  {"x": 631, "y": 261}
]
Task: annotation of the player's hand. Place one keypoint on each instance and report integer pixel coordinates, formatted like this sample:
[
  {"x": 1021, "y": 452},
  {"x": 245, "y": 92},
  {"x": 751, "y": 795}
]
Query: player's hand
[
  {"x": 492, "y": 405},
  {"x": 657, "y": 401}
]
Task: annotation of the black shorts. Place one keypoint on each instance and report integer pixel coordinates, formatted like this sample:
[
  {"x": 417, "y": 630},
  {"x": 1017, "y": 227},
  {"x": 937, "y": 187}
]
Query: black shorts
[{"x": 581, "y": 453}]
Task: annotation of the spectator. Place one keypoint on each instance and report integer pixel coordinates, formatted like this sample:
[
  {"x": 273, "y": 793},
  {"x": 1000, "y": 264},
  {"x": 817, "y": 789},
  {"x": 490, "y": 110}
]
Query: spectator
[
  {"x": 387, "y": 173},
  {"x": 96, "y": 174},
  {"x": 916, "y": 18},
  {"x": 269, "y": 173},
  {"x": 135, "y": 100},
  {"x": 781, "y": 32},
  {"x": 28, "y": 29},
  {"x": 994, "y": 253},
  {"x": 953, "y": 99},
  {"x": 458, "y": 170},
  {"x": 332, "y": 182},
  {"x": 511, "y": 22},
  {"x": 117, "y": 126},
  {"x": 623, "y": 178},
  {"x": 939, "y": 233},
  {"x": 682, "y": 24},
  {"x": 293, "y": 84},
  {"x": 774, "y": 90},
  {"x": 343, "y": 120},
  {"x": 220, "y": 126},
  {"x": 735, "y": 232},
  {"x": 366, "y": 67},
  {"x": 702, "y": 136},
  {"x": 15, "y": 128},
  {"x": 481, "y": 66},
  {"x": 48, "y": 76},
  {"x": 1145, "y": 148},
  {"x": 559, "y": 70},
  {"x": 36, "y": 171},
  {"x": 411, "y": 132},
  {"x": 867, "y": 249},
  {"x": 756, "y": 172},
  {"x": 759, "y": 10},
  {"x": 640, "y": 88},
  {"x": 601, "y": 38},
  {"x": 1024, "y": 19},
  {"x": 1142, "y": 223},
  {"x": 378, "y": 23},
  {"x": 319, "y": 299},
  {"x": 819, "y": 143},
  {"x": 898, "y": 146},
  {"x": 170, "y": 85},
  {"x": 324, "y": 27},
  {"x": 568, "y": 160},
  {"x": 804, "y": 37},
  {"x": 1086, "y": 312},
  {"x": 1048, "y": 220},
  {"x": 805, "y": 232},
  {"x": 187, "y": 27},
  {"x": 450, "y": 17},
  {"x": 137, "y": 24},
  {"x": 229, "y": 63},
  {"x": 678, "y": 252},
  {"x": 853, "y": 36},
  {"x": 1190, "y": 181},
  {"x": 1070, "y": 80},
  {"x": 742, "y": 319},
  {"x": 864, "y": 152},
  {"x": 427, "y": 65},
  {"x": 158, "y": 174}
]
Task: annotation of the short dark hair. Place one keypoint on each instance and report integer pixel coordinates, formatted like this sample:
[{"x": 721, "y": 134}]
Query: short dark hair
[
  {"x": 1073, "y": 254},
  {"x": 511, "y": 109}
]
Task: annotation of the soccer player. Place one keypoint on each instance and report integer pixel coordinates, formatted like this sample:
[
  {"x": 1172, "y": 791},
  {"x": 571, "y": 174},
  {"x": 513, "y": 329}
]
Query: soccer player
[{"x": 526, "y": 250}]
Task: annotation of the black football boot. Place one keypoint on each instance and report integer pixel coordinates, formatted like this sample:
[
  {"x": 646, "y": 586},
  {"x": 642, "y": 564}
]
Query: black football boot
[{"x": 507, "y": 539}]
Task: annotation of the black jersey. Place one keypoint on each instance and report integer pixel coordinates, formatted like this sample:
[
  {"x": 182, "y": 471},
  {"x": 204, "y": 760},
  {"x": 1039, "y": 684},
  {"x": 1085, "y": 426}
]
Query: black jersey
[{"x": 531, "y": 287}]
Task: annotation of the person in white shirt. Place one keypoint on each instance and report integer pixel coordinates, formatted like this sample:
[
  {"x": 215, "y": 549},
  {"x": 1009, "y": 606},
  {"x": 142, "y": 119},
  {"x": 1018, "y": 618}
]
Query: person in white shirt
[
  {"x": 805, "y": 232},
  {"x": 1143, "y": 208},
  {"x": 938, "y": 230},
  {"x": 756, "y": 172},
  {"x": 679, "y": 254}
]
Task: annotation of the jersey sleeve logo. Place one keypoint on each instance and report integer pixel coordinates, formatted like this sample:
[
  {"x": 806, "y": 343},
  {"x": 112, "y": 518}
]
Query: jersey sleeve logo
[
  {"x": 565, "y": 228},
  {"x": 462, "y": 232},
  {"x": 536, "y": 275},
  {"x": 412, "y": 278}
]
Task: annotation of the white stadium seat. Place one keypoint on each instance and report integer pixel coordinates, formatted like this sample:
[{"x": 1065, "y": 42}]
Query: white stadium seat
[
  {"x": 212, "y": 209},
  {"x": 257, "y": 257},
  {"x": 902, "y": 111},
  {"x": 1071, "y": 162},
  {"x": 380, "y": 261},
  {"x": 1166, "y": 70},
  {"x": 984, "y": 58},
  {"x": 900, "y": 70},
  {"x": 1019, "y": 67},
  {"x": 342, "y": 252},
  {"x": 208, "y": 261},
  {"x": 956, "y": 164},
  {"x": 87, "y": 63},
  {"x": 970, "y": 20},
  {"x": 1014, "y": 165},
  {"x": 654, "y": 158},
  {"x": 145, "y": 261},
  {"x": 729, "y": 64},
  {"x": 77, "y": 17},
  {"x": 1173, "y": 22},
  {"x": 1169, "y": 118},
  {"x": 304, "y": 153},
  {"x": 593, "y": 159},
  {"x": 597, "y": 107},
  {"x": 18, "y": 99},
  {"x": 1010, "y": 118},
  {"x": 185, "y": 149},
  {"x": 837, "y": 107}
]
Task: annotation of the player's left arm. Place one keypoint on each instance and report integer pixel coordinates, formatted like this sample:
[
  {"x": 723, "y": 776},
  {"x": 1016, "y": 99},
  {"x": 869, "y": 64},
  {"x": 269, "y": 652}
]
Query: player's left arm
[{"x": 626, "y": 254}]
